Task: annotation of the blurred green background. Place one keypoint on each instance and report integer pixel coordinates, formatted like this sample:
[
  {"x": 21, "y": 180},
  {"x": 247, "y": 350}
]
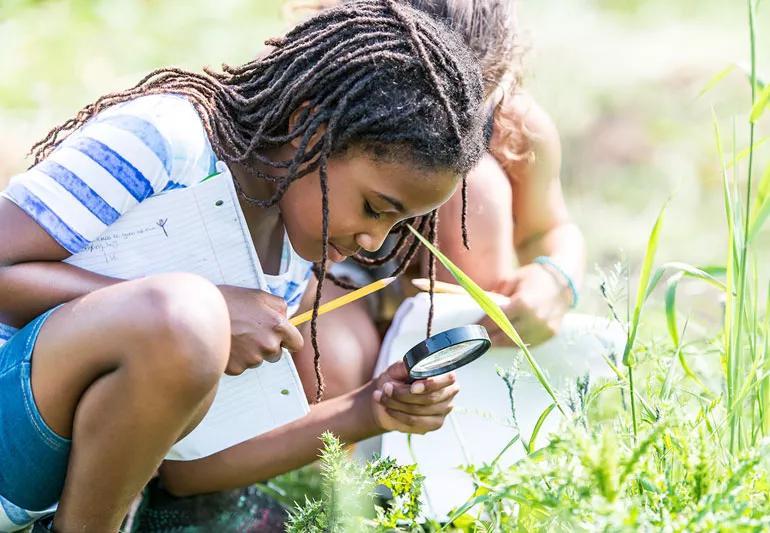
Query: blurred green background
[{"x": 620, "y": 78}]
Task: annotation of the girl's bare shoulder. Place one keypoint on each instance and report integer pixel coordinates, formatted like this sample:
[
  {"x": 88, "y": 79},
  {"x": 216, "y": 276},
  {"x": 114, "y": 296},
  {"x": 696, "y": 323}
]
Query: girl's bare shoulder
[{"x": 525, "y": 138}]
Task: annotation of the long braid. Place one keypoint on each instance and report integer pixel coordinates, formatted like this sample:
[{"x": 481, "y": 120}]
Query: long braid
[
  {"x": 433, "y": 237},
  {"x": 371, "y": 72},
  {"x": 321, "y": 277}
]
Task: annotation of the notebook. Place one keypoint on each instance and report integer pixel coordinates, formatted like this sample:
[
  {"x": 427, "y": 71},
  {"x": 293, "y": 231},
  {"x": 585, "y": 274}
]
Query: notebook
[{"x": 201, "y": 230}]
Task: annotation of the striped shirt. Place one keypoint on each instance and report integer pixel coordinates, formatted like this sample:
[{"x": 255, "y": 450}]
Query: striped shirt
[
  {"x": 121, "y": 157},
  {"x": 124, "y": 155}
]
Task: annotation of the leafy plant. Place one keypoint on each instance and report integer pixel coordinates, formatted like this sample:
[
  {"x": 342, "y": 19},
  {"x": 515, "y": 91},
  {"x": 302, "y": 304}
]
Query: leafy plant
[
  {"x": 686, "y": 447},
  {"x": 348, "y": 501}
]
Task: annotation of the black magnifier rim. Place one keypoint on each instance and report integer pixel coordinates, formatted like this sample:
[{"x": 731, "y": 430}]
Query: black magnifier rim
[{"x": 442, "y": 341}]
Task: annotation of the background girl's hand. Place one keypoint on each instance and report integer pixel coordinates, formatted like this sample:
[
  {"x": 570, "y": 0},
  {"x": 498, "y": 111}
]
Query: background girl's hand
[
  {"x": 418, "y": 407},
  {"x": 538, "y": 302},
  {"x": 259, "y": 328}
]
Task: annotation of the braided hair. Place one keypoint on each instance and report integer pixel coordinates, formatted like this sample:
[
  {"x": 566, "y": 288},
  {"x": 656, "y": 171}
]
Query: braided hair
[
  {"x": 490, "y": 28},
  {"x": 369, "y": 74}
]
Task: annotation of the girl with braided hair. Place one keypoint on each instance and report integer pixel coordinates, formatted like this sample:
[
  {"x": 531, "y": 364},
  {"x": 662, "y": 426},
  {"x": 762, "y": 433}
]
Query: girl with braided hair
[
  {"x": 355, "y": 121},
  {"x": 518, "y": 178},
  {"x": 518, "y": 213}
]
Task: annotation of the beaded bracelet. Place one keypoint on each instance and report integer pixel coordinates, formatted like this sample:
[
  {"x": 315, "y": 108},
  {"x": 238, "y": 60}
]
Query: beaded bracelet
[{"x": 547, "y": 261}]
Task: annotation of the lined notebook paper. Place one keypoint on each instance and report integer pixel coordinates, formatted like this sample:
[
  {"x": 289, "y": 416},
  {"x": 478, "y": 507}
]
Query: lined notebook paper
[{"x": 202, "y": 230}]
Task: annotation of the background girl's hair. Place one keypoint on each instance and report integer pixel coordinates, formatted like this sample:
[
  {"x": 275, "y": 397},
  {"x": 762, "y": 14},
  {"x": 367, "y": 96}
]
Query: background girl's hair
[
  {"x": 369, "y": 74},
  {"x": 490, "y": 28}
]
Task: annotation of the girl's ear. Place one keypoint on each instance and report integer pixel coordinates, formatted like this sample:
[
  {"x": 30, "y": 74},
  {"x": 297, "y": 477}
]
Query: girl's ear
[{"x": 294, "y": 121}]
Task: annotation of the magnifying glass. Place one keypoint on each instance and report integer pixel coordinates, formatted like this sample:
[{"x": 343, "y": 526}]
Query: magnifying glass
[{"x": 446, "y": 351}]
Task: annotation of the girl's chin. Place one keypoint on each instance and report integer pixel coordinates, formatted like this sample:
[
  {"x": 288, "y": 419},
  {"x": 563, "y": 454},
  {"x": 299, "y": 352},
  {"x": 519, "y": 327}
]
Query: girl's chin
[{"x": 316, "y": 255}]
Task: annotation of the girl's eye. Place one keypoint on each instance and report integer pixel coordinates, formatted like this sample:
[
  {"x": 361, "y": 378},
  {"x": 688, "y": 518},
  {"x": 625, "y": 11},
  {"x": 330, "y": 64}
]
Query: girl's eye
[{"x": 371, "y": 213}]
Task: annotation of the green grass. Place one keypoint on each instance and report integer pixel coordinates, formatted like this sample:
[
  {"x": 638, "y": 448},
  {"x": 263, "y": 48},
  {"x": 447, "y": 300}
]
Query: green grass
[
  {"x": 688, "y": 449},
  {"x": 678, "y": 438}
]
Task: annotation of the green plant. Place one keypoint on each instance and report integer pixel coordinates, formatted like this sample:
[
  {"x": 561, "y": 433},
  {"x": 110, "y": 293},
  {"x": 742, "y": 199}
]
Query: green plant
[
  {"x": 348, "y": 500},
  {"x": 686, "y": 446}
]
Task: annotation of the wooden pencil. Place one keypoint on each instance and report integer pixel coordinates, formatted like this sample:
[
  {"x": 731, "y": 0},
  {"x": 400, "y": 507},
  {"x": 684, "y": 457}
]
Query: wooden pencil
[{"x": 343, "y": 300}]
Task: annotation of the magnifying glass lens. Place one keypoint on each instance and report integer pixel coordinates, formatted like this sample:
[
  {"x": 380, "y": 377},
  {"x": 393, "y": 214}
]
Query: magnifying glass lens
[
  {"x": 445, "y": 351},
  {"x": 448, "y": 356}
]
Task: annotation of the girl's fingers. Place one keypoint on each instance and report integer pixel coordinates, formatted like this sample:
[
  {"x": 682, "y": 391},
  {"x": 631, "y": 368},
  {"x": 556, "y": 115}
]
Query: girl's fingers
[
  {"x": 441, "y": 408},
  {"x": 417, "y": 424},
  {"x": 291, "y": 338},
  {"x": 403, "y": 393},
  {"x": 432, "y": 392}
]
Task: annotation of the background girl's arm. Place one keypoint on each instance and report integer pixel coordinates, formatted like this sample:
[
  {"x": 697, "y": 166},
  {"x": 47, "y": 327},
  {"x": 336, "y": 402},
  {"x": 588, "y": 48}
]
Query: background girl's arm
[
  {"x": 541, "y": 292},
  {"x": 517, "y": 212},
  {"x": 543, "y": 226}
]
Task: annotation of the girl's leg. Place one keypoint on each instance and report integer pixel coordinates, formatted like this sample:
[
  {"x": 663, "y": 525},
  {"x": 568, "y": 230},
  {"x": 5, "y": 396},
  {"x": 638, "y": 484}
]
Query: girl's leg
[
  {"x": 125, "y": 371},
  {"x": 349, "y": 345}
]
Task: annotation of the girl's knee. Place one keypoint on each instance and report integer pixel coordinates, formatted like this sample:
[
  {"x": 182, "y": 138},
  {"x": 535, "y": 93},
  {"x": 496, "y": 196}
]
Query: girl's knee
[{"x": 183, "y": 330}]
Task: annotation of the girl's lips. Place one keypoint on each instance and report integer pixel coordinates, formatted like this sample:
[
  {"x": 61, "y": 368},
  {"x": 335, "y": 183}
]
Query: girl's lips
[{"x": 335, "y": 254}]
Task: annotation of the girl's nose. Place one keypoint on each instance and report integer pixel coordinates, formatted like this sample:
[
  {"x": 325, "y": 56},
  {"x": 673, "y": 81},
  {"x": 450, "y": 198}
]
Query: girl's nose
[{"x": 371, "y": 242}]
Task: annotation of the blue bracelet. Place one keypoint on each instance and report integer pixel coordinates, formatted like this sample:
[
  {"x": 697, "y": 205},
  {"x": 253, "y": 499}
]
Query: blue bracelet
[{"x": 545, "y": 260}]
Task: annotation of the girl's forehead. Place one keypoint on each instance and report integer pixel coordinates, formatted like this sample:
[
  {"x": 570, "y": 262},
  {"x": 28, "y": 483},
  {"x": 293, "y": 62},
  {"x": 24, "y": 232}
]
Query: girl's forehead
[{"x": 409, "y": 188}]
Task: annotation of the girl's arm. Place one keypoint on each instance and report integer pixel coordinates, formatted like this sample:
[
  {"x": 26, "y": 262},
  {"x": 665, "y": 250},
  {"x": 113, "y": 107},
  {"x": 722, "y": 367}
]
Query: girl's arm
[
  {"x": 541, "y": 290},
  {"x": 32, "y": 278},
  {"x": 276, "y": 452},
  {"x": 543, "y": 225},
  {"x": 516, "y": 210},
  {"x": 387, "y": 403},
  {"x": 516, "y": 207}
]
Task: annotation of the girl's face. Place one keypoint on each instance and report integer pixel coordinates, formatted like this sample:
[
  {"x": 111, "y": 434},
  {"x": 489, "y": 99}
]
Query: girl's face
[{"x": 367, "y": 198}]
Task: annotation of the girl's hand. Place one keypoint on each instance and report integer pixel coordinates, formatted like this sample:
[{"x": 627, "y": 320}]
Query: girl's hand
[
  {"x": 538, "y": 302},
  {"x": 418, "y": 407},
  {"x": 259, "y": 328}
]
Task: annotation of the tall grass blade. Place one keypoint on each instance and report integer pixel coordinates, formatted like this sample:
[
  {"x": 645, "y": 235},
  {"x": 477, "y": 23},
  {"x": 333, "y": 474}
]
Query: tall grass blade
[
  {"x": 714, "y": 81},
  {"x": 493, "y": 311},
  {"x": 510, "y": 443},
  {"x": 762, "y": 210},
  {"x": 538, "y": 425},
  {"x": 743, "y": 154},
  {"x": 641, "y": 293},
  {"x": 764, "y": 399},
  {"x": 670, "y": 302},
  {"x": 760, "y": 104},
  {"x": 682, "y": 270},
  {"x": 687, "y": 270},
  {"x": 730, "y": 268},
  {"x": 737, "y": 421},
  {"x": 644, "y": 281}
]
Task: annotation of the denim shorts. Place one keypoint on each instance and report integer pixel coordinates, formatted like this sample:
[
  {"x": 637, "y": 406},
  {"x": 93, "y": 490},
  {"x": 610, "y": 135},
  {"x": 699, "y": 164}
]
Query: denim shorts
[{"x": 33, "y": 459}]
